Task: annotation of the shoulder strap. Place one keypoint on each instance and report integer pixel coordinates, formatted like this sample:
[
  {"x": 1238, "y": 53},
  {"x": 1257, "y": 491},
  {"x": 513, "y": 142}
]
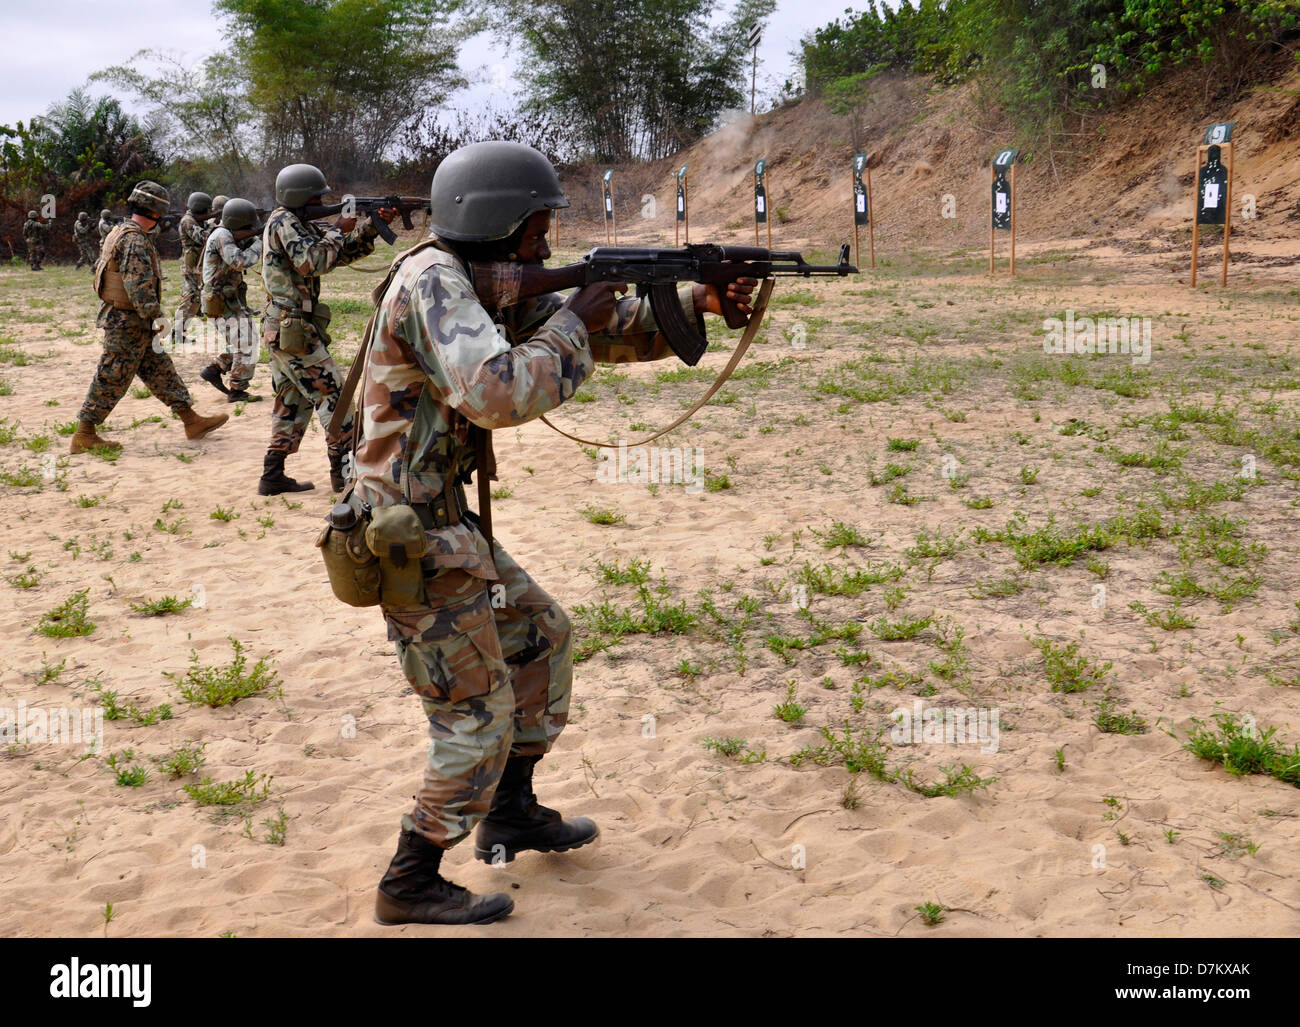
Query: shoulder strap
[
  {"x": 755, "y": 320},
  {"x": 358, "y": 363}
]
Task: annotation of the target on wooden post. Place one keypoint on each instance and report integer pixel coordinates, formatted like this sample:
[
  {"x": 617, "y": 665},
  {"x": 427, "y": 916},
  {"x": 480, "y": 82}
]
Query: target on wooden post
[
  {"x": 760, "y": 201},
  {"x": 607, "y": 183},
  {"x": 1002, "y": 213},
  {"x": 1213, "y": 191},
  {"x": 683, "y": 219},
  {"x": 862, "y": 214}
]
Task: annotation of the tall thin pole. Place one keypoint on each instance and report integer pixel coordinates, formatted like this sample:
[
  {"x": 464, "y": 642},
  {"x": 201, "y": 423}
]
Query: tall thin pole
[
  {"x": 686, "y": 205},
  {"x": 1227, "y": 217},
  {"x": 753, "y": 81},
  {"x": 768, "y": 201},
  {"x": 992, "y": 214},
  {"x": 871, "y": 220},
  {"x": 1013, "y": 219},
  {"x": 1196, "y": 212}
]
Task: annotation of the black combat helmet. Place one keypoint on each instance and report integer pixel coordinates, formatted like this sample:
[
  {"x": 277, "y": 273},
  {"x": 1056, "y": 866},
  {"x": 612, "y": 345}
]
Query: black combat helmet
[
  {"x": 297, "y": 184},
  {"x": 485, "y": 191},
  {"x": 238, "y": 215},
  {"x": 198, "y": 203}
]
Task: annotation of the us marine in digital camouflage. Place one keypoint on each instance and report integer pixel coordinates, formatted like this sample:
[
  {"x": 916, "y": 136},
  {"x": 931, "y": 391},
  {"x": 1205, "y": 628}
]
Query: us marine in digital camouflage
[
  {"x": 128, "y": 279},
  {"x": 295, "y": 253},
  {"x": 485, "y": 648},
  {"x": 232, "y": 248}
]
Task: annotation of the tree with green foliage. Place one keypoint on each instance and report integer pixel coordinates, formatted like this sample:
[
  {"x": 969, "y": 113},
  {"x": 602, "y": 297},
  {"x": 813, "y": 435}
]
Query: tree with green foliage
[
  {"x": 335, "y": 81},
  {"x": 636, "y": 78}
]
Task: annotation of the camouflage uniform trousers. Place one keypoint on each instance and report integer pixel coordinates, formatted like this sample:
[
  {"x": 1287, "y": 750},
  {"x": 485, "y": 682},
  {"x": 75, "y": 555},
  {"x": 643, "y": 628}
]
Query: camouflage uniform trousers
[
  {"x": 35, "y": 255},
  {"x": 191, "y": 294},
  {"x": 301, "y": 388},
  {"x": 128, "y": 352},
  {"x": 88, "y": 254},
  {"x": 494, "y": 680},
  {"x": 242, "y": 345}
]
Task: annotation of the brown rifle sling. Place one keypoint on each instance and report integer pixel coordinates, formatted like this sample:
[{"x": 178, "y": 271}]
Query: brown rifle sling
[{"x": 751, "y": 330}]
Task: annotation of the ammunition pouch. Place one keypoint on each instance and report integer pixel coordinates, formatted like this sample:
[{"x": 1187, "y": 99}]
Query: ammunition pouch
[
  {"x": 111, "y": 289},
  {"x": 395, "y": 535},
  {"x": 352, "y": 568},
  {"x": 321, "y": 316},
  {"x": 214, "y": 304},
  {"x": 190, "y": 257}
]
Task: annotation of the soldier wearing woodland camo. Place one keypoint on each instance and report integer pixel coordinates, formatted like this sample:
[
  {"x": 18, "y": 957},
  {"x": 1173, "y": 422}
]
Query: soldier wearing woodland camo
[
  {"x": 128, "y": 278},
  {"x": 105, "y": 224},
  {"x": 34, "y": 237},
  {"x": 193, "y": 231},
  {"x": 493, "y": 671},
  {"x": 232, "y": 248},
  {"x": 86, "y": 249},
  {"x": 295, "y": 253}
]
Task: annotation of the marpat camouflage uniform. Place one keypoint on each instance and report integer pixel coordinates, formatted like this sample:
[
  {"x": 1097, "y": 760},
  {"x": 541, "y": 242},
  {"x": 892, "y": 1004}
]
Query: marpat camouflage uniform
[
  {"x": 224, "y": 264},
  {"x": 493, "y": 677},
  {"x": 295, "y": 254},
  {"x": 34, "y": 238},
  {"x": 88, "y": 252},
  {"x": 193, "y": 233},
  {"x": 128, "y": 334}
]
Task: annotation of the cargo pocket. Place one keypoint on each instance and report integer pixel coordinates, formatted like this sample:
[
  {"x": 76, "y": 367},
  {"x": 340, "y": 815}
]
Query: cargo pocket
[{"x": 452, "y": 653}]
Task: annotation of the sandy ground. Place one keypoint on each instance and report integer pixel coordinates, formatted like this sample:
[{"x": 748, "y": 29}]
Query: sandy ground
[{"x": 1065, "y": 829}]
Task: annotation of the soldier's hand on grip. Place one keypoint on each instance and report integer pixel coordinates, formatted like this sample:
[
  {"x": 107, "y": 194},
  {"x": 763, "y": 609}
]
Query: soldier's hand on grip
[{"x": 595, "y": 304}]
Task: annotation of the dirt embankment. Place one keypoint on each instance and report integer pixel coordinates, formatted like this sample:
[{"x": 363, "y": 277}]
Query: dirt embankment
[{"x": 1127, "y": 175}]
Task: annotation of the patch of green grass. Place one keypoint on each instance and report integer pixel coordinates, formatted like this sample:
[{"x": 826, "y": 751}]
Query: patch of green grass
[
  {"x": 956, "y": 781},
  {"x": 1114, "y": 723},
  {"x": 240, "y": 792},
  {"x": 790, "y": 711},
  {"x": 23, "y": 478},
  {"x": 1067, "y": 670},
  {"x": 735, "y": 749},
  {"x": 29, "y": 578},
  {"x": 840, "y": 536},
  {"x": 832, "y": 581},
  {"x": 602, "y": 515},
  {"x": 900, "y": 630},
  {"x": 931, "y": 914},
  {"x": 901, "y": 445},
  {"x": 162, "y": 607},
  {"x": 1241, "y": 748},
  {"x": 637, "y": 572},
  {"x": 222, "y": 686},
  {"x": 223, "y": 513},
  {"x": 69, "y": 619},
  {"x": 183, "y": 761}
]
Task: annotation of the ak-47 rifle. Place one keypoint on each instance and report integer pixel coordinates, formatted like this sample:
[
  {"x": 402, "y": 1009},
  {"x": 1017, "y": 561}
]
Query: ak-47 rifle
[
  {"x": 404, "y": 205},
  {"x": 656, "y": 273}
]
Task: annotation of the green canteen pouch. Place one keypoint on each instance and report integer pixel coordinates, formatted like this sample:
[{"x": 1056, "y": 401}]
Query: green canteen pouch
[
  {"x": 352, "y": 568},
  {"x": 294, "y": 337},
  {"x": 396, "y": 536},
  {"x": 214, "y": 304},
  {"x": 320, "y": 317}
]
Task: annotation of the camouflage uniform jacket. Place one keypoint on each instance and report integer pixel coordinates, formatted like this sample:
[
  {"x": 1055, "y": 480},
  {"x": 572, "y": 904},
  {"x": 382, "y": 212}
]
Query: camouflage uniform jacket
[
  {"x": 224, "y": 264},
  {"x": 34, "y": 232},
  {"x": 192, "y": 233},
  {"x": 104, "y": 228},
  {"x": 81, "y": 230},
  {"x": 437, "y": 349},
  {"x": 137, "y": 262},
  {"x": 296, "y": 253}
]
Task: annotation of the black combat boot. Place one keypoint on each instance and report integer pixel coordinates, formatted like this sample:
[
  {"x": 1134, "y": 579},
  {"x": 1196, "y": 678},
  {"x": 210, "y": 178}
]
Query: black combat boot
[
  {"x": 241, "y": 396},
  {"x": 414, "y": 892},
  {"x": 516, "y": 822},
  {"x": 212, "y": 375},
  {"x": 274, "y": 480},
  {"x": 337, "y": 482}
]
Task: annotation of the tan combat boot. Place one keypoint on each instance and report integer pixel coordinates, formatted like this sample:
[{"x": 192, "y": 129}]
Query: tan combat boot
[
  {"x": 86, "y": 439},
  {"x": 197, "y": 427}
]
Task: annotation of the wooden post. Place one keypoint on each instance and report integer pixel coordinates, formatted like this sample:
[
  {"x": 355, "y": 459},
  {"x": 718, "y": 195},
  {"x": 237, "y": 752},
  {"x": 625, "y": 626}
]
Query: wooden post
[
  {"x": 871, "y": 220},
  {"x": 769, "y": 210},
  {"x": 613, "y": 213},
  {"x": 1227, "y": 217},
  {"x": 1196, "y": 212},
  {"x": 677, "y": 225},
  {"x": 686, "y": 205},
  {"x": 1013, "y": 219},
  {"x": 992, "y": 181}
]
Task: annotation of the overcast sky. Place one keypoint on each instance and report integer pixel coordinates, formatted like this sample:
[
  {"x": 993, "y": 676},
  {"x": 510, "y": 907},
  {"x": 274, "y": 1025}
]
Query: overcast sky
[{"x": 54, "y": 45}]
